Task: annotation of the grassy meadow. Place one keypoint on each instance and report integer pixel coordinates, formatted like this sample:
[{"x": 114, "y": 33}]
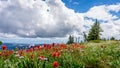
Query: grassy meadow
[{"x": 105, "y": 54}]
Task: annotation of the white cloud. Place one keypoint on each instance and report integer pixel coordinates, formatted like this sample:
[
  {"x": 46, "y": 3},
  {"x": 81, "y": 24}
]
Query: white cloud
[
  {"x": 110, "y": 23},
  {"x": 50, "y": 18},
  {"x": 38, "y": 18},
  {"x": 75, "y": 3},
  {"x": 5, "y": 35},
  {"x": 109, "y": 29},
  {"x": 114, "y": 7},
  {"x": 101, "y": 13}
]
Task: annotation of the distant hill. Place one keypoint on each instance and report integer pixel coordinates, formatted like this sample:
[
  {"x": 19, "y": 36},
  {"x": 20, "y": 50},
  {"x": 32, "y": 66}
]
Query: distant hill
[{"x": 12, "y": 46}]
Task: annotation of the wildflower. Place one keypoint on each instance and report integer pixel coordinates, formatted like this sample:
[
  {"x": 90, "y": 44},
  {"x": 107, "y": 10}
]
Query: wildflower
[
  {"x": 36, "y": 47},
  {"x": 40, "y": 47},
  {"x": 81, "y": 50},
  {"x": 4, "y": 47},
  {"x": 53, "y": 44},
  {"x": 20, "y": 52},
  {"x": 82, "y": 47},
  {"x": 56, "y": 54},
  {"x": 55, "y": 64},
  {"x": 29, "y": 50},
  {"x": 10, "y": 51},
  {"x": 42, "y": 58},
  {"x": 21, "y": 57},
  {"x": 17, "y": 55},
  {"x": 0, "y": 53},
  {"x": 32, "y": 56},
  {"x": 45, "y": 45}
]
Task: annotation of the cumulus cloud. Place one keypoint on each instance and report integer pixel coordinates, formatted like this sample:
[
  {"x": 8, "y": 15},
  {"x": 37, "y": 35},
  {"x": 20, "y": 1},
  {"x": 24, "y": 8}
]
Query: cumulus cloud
[
  {"x": 38, "y": 18},
  {"x": 109, "y": 22},
  {"x": 101, "y": 13},
  {"x": 114, "y": 7}
]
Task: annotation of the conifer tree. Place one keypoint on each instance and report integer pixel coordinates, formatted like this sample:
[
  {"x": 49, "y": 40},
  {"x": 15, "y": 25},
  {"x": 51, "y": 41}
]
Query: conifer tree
[
  {"x": 112, "y": 38},
  {"x": 0, "y": 42},
  {"x": 71, "y": 40},
  {"x": 94, "y": 32},
  {"x": 85, "y": 36}
]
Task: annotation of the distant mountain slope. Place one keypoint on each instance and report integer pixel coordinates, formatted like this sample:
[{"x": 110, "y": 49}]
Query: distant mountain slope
[{"x": 11, "y": 46}]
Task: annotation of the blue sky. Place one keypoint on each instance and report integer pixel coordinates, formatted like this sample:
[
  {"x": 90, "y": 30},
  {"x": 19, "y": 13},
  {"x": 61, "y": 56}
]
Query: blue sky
[
  {"x": 81, "y": 6},
  {"x": 25, "y": 21},
  {"x": 85, "y": 5}
]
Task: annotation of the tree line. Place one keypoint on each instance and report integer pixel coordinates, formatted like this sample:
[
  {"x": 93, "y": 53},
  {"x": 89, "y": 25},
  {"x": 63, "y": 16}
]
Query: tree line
[{"x": 94, "y": 34}]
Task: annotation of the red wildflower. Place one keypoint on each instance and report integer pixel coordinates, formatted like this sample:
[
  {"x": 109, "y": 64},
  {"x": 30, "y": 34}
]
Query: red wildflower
[
  {"x": 55, "y": 49},
  {"x": 54, "y": 54},
  {"x": 29, "y": 50},
  {"x": 10, "y": 51},
  {"x": 45, "y": 45},
  {"x": 40, "y": 47},
  {"x": 4, "y": 47},
  {"x": 55, "y": 64},
  {"x": 58, "y": 54},
  {"x": 36, "y": 48},
  {"x": 42, "y": 58},
  {"x": 49, "y": 47},
  {"x": 20, "y": 52},
  {"x": 82, "y": 47},
  {"x": 32, "y": 56},
  {"x": 53, "y": 44}
]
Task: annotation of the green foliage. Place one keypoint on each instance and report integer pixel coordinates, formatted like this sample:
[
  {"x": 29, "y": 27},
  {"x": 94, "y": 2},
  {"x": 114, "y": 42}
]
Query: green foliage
[
  {"x": 94, "y": 32},
  {"x": 0, "y": 42},
  {"x": 85, "y": 36},
  {"x": 112, "y": 38},
  {"x": 71, "y": 40}
]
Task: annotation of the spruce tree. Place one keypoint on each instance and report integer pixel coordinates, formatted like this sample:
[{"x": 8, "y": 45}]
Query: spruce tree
[
  {"x": 94, "y": 32},
  {"x": 71, "y": 40},
  {"x": 0, "y": 42},
  {"x": 112, "y": 38},
  {"x": 85, "y": 36}
]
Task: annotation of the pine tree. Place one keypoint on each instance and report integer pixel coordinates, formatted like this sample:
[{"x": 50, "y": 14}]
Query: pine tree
[
  {"x": 112, "y": 38},
  {"x": 71, "y": 40},
  {"x": 0, "y": 42},
  {"x": 94, "y": 32},
  {"x": 85, "y": 36}
]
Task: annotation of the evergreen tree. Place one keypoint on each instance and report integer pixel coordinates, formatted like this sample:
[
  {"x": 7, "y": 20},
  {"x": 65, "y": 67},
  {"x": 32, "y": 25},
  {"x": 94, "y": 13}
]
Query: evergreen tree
[
  {"x": 112, "y": 38},
  {"x": 85, "y": 36},
  {"x": 0, "y": 42},
  {"x": 71, "y": 40},
  {"x": 94, "y": 32}
]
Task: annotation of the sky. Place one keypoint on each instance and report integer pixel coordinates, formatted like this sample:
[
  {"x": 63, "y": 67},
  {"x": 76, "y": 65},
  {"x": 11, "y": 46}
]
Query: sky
[{"x": 34, "y": 21}]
